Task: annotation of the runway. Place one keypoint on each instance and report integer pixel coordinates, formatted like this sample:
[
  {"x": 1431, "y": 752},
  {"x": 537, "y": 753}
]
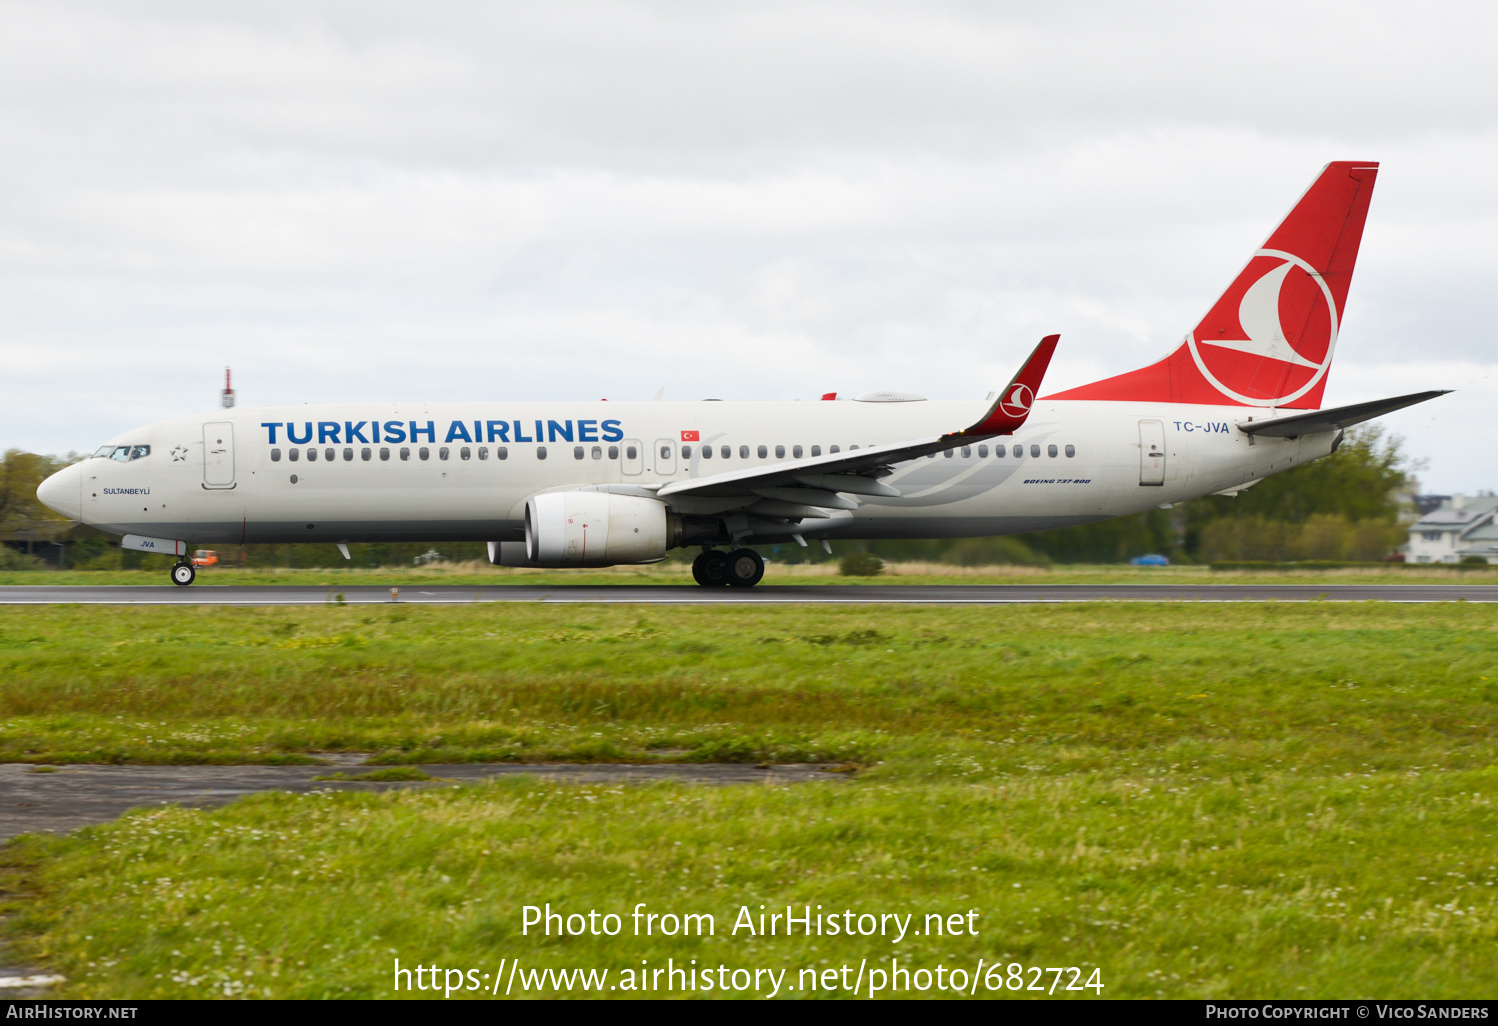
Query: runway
[
  {"x": 838, "y": 594},
  {"x": 63, "y": 798}
]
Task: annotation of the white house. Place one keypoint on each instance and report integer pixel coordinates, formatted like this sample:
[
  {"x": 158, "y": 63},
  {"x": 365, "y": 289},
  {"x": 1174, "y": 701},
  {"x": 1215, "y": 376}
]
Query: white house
[{"x": 1461, "y": 526}]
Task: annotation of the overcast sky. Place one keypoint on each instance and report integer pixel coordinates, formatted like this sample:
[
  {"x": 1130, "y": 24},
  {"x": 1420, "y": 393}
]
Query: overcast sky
[{"x": 756, "y": 200}]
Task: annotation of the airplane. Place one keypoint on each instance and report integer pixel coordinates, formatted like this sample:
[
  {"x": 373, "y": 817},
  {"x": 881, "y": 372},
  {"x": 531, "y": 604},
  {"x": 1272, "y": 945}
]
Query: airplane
[{"x": 594, "y": 484}]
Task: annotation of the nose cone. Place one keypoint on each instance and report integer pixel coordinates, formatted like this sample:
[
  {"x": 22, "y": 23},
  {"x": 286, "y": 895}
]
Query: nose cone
[{"x": 63, "y": 492}]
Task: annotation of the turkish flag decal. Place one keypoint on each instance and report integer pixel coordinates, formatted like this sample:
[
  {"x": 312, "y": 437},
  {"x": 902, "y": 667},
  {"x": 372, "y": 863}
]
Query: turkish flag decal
[{"x": 690, "y": 436}]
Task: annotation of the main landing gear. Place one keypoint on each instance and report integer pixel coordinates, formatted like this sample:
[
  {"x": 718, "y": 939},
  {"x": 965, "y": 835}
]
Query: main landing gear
[
  {"x": 183, "y": 574},
  {"x": 741, "y": 568}
]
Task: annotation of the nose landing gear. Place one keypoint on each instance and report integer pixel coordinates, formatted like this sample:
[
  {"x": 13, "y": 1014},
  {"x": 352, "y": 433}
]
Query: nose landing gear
[
  {"x": 741, "y": 568},
  {"x": 183, "y": 574}
]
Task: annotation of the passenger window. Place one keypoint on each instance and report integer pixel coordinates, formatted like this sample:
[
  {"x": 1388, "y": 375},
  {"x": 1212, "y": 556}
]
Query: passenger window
[
  {"x": 834, "y": 448},
  {"x": 707, "y": 452},
  {"x": 967, "y": 452},
  {"x": 1071, "y": 450},
  {"x": 686, "y": 452},
  {"x": 725, "y": 451},
  {"x": 613, "y": 452},
  {"x": 744, "y": 452},
  {"x": 311, "y": 455},
  {"x": 405, "y": 453},
  {"x": 1051, "y": 451},
  {"x": 501, "y": 452},
  {"x": 631, "y": 453},
  {"x": 465, "y": 453},
  {"x": 665, "y": 452},
  {"x": 763, "y": 452},
  {"x": 443, "y": 453},
  {"x": 330, "y": 454},
  {"x": 851, "y": 448},
  {"x": 140, "y": 452},
  {"x": 780, "y": 452},
  {"x": 816, "y": 450},
  {"x": 1019, "y": 450},
  {"x": 540, "y": 452},
  {"x": 577, "y": 452},
  {"x": 293, "y": 454},
  {"x": 983, "y": 452},
  {"x": 275, "y": 455},
  {"x": 796, "y": 452},
  {"x": 1034, "y": 450},
  {"x": 424, "y": 453},
  {"x": 348, "y": 456},
  {"x": 384, "y": 454},
  {"x": 597, "y": 452},
  {"x": 483, "y": 452},
  {"x": 365, "y": 454}
]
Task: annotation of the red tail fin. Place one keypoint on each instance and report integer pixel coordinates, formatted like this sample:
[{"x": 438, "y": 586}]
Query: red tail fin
[{"x": 1269, "y": 340}]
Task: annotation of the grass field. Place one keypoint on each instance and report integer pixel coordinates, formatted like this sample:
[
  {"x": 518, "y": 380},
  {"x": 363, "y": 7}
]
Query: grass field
[{"x": 1254, "y": 800}]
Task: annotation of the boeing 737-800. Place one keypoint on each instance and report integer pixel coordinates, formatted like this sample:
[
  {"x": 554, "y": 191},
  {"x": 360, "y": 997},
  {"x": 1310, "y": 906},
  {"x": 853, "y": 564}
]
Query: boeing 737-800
[{"x": 590, "y": 484}]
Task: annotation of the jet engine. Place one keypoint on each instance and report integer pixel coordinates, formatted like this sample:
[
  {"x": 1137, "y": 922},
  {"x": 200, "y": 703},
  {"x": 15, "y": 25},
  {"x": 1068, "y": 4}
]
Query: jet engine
[{"x": 585, "y": 528}]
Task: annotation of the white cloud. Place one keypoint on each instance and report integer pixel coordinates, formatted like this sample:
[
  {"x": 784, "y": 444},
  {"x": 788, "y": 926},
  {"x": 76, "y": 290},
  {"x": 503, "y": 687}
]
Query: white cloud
[{"x": 452, "y": 200}]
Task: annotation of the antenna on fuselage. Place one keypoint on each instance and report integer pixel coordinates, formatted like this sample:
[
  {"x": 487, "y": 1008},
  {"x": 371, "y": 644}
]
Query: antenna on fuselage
[{"x": 226, "y": 398}]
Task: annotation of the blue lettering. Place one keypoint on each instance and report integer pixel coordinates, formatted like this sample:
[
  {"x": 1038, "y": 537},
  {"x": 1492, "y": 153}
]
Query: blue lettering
[
  {"x": 553, "y": 429},
  {"x": 430, "y": 431},
  {"x": 499, "y": 430},
  {"x": 540, "y": 435},
  {"x": 587, "y": 431},
  {"x": 291, "y": 434},
  {"x": 272, "y": 431},
  {"x": 354, "y": 432},
  {"x": 520, "y": 437},
  {"x": 327, "y": 431},
  {"x": 1190, "y": 427},
  {"x": 457, "y": 430},
  {"x": 395, "y": 431},
  {"x": 611, "y": 432},
  {"x": 374, "y": 430},
  {"x": 478, "y": 435}
]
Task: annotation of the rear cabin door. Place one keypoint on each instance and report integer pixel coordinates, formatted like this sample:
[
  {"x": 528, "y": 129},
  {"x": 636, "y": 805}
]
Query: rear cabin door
[
  {"x": 1151, "y": 452},
  {"x": 632, "y": 456},
  {"x": 218, "y": 455}
]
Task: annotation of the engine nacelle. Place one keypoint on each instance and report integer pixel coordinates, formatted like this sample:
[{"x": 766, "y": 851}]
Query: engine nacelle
[{"x": 581, "y": 528}]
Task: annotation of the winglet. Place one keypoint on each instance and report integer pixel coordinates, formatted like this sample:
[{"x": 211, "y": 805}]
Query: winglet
[{"x": 1012, "y": 408}]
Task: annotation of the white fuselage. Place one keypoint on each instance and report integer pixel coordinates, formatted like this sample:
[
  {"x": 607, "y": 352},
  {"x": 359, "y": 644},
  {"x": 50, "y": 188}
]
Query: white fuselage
[{"x": 230, "y": 478}]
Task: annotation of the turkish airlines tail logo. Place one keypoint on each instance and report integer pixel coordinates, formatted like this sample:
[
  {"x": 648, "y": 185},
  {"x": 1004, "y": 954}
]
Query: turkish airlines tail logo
[{"x": 1269, "y": 339}]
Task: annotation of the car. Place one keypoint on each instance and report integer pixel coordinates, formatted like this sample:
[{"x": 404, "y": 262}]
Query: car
[{"x": 1153, "y": 559}]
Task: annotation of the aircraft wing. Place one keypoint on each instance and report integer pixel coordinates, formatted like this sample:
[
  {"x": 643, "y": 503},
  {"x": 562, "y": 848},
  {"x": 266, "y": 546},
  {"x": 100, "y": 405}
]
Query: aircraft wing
[
  {"x": 1337, "y": 417},
  {"x": 816, "y": 482}
]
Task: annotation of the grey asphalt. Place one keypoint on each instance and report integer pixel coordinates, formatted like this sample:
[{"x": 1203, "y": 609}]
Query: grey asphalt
[
  {"x": 75, "y": 796},
  {"x": 925, "y": 594}
]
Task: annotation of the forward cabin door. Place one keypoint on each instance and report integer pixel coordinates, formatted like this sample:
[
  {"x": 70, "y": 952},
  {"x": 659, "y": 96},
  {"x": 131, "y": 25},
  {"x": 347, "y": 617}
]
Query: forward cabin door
[
  {"x": 218, "y": 455},
  {"x": 1151, "y": 452}
]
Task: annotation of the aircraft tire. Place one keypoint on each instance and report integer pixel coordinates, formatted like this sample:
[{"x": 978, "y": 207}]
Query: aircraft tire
[
  {"x": 745, "y": 568},
  {"x": 183, "y": 574},
  {"x": 710, "y": 569}
]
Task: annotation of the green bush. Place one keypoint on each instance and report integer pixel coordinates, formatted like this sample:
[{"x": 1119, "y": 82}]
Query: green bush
[{"x": 860, "y": 564}]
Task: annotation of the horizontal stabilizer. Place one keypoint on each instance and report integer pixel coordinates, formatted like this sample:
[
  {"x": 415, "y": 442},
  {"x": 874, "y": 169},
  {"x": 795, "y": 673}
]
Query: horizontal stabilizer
[{"x": 1329, "y": 420}]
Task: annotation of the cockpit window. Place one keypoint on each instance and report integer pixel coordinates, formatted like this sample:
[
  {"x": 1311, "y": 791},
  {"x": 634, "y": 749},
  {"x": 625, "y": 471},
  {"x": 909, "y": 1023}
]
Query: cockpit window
[{"x": 123, "y": 453}]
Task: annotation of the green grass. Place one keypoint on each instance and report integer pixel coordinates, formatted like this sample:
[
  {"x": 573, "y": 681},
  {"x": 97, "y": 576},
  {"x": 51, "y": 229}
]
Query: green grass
[{"x": 1228, "y": 801}]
